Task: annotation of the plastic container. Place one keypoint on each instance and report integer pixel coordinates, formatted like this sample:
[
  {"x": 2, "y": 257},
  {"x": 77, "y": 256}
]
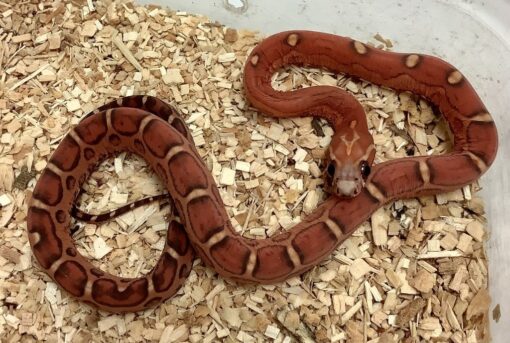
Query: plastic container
[{"x": 473, "y": 35}]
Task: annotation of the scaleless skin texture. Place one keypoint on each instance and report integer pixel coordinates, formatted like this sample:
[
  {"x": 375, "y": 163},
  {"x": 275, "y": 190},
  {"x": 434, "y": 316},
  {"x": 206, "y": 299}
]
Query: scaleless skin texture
[{"x": 140, "y": 125}]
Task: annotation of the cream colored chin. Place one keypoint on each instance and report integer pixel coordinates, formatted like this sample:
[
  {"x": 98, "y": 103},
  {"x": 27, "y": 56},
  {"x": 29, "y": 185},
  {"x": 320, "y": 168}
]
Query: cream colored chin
[{"x": 347, "y": 188}]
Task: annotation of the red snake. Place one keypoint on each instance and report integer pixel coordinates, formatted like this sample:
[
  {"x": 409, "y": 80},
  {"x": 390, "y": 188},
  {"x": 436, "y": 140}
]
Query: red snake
[{"x": 154, "y": 130}]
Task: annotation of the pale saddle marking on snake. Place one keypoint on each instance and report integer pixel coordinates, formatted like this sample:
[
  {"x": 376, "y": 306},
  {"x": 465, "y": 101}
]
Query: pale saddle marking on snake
[{"x": 141, "y": 125}]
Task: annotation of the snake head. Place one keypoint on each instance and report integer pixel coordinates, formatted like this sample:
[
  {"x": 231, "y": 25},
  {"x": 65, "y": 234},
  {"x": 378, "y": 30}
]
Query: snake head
[
  {"x": 346, "y": 179},
  {"x": 351, "y": 155}
]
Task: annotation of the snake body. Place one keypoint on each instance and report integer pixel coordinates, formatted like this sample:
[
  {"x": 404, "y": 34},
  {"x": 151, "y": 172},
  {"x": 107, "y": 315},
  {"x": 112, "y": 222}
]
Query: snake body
[{"x": 154, "y": 130}]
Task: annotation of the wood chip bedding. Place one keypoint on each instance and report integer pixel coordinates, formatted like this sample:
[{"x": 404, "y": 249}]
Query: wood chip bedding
[{"x": 417, "y": 271}]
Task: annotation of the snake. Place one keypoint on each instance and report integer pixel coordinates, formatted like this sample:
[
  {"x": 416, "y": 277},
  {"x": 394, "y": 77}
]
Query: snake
[{"x": 151, "y": 128}]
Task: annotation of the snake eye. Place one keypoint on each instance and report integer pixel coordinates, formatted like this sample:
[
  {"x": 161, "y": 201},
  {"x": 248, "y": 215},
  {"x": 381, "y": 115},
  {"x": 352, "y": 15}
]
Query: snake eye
[
  {"x": 364, "y": 169},
  {"x": 331, "y": 169}
]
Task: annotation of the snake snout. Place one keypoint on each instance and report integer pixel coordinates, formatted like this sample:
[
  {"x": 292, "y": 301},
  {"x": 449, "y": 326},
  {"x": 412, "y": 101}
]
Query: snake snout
[
  {"x": 348, "y": 188},
  {"x": 347, "y": 182}
]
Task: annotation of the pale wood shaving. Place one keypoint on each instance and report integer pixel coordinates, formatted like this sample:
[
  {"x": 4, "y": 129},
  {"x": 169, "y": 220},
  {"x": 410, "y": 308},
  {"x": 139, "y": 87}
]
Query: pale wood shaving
[{"x": 127, "y": 53}]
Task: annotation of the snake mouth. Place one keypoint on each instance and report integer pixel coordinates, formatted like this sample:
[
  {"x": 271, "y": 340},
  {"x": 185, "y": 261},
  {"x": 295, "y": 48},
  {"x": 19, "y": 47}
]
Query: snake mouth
[
  {"x": 343, "y": 181},
  {"x": 344, "y": 188},
  {"x": 348, "y": 188}
]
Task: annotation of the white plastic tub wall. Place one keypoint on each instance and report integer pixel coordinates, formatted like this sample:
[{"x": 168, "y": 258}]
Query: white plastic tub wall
[{"x": 473, "y": 35}]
